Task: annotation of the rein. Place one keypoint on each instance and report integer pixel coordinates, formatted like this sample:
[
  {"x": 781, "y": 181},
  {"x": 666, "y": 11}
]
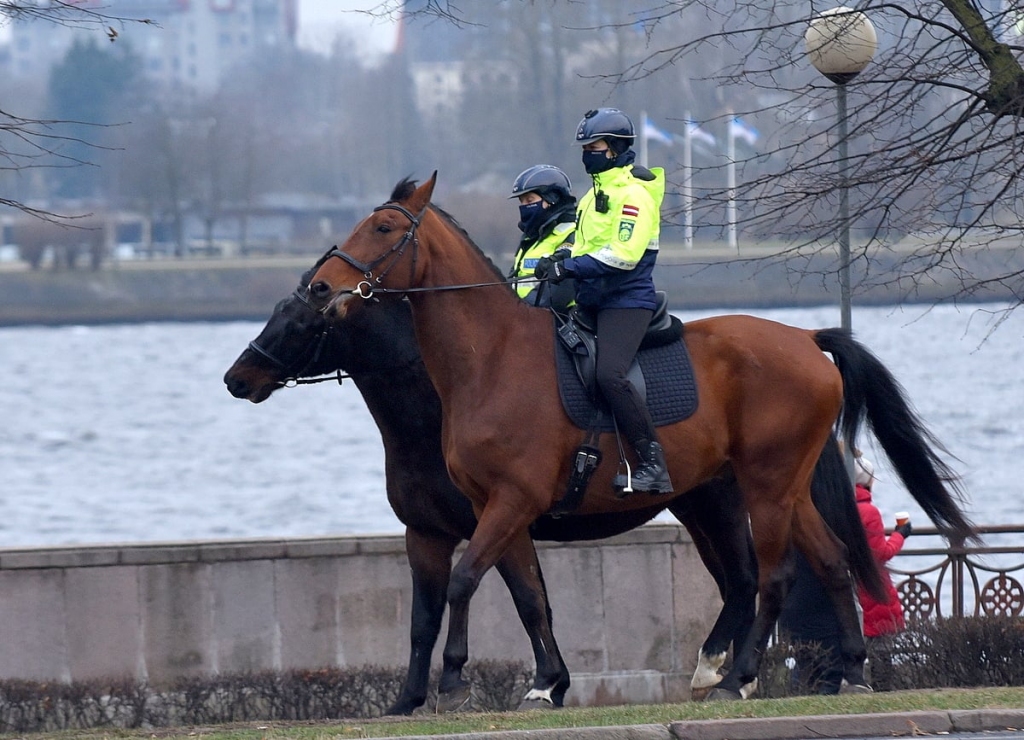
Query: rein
[{"x": 371, "y": 285}]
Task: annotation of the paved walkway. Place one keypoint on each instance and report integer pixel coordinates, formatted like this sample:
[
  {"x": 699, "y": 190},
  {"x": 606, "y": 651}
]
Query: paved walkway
[{"x": 780, "y": 728}]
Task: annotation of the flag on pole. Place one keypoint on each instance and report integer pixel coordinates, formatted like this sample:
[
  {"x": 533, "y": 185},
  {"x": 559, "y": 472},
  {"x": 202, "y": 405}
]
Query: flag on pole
[
  {"x": 653, "y": 133},
  {"x": 739, "y": 130},
  {"x": 699, "y": 134}
]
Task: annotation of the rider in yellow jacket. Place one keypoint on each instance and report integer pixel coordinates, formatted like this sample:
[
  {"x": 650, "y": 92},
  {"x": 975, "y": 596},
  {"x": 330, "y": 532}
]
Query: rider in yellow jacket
[
  {"x": 547, "y": 218},
  {"x": 618, "y": 224},
  {"x": 618, "y": 228}
]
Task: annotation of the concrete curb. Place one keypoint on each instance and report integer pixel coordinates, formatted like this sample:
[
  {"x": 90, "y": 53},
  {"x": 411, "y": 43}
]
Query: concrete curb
[
  {"x": 623, "y": 732},
  {"x": 896, "y": 724},
  {"x": 851, "y": 725}
]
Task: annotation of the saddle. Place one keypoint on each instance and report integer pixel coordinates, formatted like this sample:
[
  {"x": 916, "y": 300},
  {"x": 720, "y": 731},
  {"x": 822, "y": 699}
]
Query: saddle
[{"x": 661, "y": 372}]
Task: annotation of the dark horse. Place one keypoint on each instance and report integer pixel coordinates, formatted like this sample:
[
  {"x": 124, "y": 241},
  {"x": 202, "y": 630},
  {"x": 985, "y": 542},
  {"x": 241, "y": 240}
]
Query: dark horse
[
  {"x": 378, "y": 350},
  {"x": 769, "y": 401}
]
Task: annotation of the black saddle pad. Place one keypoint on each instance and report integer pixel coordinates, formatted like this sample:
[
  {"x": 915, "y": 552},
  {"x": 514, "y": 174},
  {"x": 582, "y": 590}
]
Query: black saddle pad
[{"x": 668, "y": 374}]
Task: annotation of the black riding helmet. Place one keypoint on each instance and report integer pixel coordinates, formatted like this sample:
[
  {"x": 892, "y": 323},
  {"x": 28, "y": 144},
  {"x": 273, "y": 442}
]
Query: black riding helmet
[
  {"x": 546, "y": 180},
  {"x": 609, "y": 124}
]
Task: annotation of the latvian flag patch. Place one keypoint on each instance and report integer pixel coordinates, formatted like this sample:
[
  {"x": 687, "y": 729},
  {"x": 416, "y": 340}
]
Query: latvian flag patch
[{"x": 630, "y": 211}]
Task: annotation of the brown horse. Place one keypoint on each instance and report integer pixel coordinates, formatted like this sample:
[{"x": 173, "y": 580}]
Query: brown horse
[
  {"x": 377, "y": 349},
  {"x": 769, "y": 398}
]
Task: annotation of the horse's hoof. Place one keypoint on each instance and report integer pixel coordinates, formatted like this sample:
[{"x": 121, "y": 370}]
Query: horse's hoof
[
  {"x": 541, "y": 699},
  {"x": 452, "y": 701},
  {"x": 403, "y": 707},
  {"x": 719, "y": 694},
  {"x": 855, "y": 688},
  {"x": 527, "y": 704},
  {"x": 700, "y": 694},
  {"x": 747, "y": 690}
]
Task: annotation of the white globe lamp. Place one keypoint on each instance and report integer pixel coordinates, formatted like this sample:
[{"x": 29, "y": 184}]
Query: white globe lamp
[{"x": 840, "y": 43}]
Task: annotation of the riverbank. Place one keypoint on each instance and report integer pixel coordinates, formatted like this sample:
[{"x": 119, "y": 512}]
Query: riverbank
[{"x": 246, "y": 289}]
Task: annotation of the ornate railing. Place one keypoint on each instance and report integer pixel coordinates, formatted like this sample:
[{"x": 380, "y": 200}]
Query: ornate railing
[{"x": 962, "y": 579}]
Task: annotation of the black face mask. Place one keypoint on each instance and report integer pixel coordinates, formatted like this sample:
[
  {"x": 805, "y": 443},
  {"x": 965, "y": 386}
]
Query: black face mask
[
  {"x": 597, "y": 161},
  {"x": 531, "y": 216}
]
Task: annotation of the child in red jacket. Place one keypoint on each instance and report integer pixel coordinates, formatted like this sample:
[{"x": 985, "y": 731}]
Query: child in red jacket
[{"x": 879, "y": 619}]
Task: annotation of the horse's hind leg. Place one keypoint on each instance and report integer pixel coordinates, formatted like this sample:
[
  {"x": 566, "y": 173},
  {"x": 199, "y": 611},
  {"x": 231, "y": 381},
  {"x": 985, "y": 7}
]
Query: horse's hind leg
[
  {"x": 521, "y": 571},
  {"x": 771, "y": 521},
  {"x": 827, "y": 556},
  {"x": 430, "y": 559},
  {"x": 717, "y": 521},
  {"x": 776, "y": 573}
]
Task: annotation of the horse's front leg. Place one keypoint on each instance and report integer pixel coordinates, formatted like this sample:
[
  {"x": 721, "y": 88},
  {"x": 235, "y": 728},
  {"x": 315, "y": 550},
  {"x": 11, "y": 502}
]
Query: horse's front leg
[
  {"x": 498, "y": 528},
  {"x": 430, "y": 559},
  {"x": 520, "y": 569}
]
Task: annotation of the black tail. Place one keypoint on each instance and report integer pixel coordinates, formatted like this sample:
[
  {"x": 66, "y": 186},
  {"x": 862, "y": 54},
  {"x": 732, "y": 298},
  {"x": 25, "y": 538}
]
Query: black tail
[
  {"x": 832, "y": 494},
  {"x": 871, "y": 391}
]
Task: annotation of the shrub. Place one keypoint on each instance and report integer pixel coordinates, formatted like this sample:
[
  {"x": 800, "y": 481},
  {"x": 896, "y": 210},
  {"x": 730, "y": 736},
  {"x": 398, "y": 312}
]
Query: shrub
[
  {"x": 944, "y": 653},
  {"x": 324, "y": 693}
]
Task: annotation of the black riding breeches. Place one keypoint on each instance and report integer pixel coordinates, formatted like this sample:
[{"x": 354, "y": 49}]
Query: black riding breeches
[{"x": 619, "y": 333}]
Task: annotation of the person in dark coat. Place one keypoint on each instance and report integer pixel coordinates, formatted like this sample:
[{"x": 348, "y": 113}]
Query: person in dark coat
[{"x": 809, "y": 623}]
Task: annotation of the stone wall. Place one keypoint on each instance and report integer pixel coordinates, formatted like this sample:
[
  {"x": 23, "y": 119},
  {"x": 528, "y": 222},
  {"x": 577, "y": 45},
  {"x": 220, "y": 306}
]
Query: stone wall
[{"x": 630, "y": 612}]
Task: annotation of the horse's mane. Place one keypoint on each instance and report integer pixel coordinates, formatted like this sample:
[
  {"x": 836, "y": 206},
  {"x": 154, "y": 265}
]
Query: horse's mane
[{"x": 405, "y": 188}]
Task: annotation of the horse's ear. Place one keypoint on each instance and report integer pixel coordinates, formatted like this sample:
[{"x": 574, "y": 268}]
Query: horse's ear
[{"x": 420, "y": 198}]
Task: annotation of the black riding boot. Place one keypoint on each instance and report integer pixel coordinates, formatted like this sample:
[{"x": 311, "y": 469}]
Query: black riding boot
[{"x": 651, "y": 475}]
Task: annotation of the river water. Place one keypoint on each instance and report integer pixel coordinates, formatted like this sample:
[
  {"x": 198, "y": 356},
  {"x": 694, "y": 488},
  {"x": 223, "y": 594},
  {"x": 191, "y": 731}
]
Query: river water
[{"x": 125, "y": 433}]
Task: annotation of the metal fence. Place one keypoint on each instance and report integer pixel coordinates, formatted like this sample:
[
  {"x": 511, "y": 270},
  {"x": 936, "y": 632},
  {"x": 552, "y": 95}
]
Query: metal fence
[{"x": 939, "y": 579}]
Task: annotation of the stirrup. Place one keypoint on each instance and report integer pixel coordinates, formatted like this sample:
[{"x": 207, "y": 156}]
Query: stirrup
[{"x": 622, "y": 483}]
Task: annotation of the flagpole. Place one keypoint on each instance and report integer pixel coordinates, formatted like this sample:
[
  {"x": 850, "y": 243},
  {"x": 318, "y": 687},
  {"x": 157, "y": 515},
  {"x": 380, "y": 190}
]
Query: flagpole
[
  {"x": 643, "y": 138},
  {"x": 730, "y": 146},
  {"x": 687, "y": 185}
]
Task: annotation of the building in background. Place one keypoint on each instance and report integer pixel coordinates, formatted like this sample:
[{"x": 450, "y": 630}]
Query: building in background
[{"x": 187, "y": 46}]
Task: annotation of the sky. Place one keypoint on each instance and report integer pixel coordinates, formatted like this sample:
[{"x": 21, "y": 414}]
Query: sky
[{"x": 320, "y": 21}]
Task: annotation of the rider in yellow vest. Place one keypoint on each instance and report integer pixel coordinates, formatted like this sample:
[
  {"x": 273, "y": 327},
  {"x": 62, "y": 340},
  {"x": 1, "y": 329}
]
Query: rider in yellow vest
[
  {"x": 618, "y": 223},
  {"x": 547, "y": 218}
]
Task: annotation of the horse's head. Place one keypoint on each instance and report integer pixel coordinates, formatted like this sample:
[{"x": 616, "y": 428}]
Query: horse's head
[
  {"x": 297, "y": 342},
  {"x": 291, "y": 345},
  {"x": 381, "y": 253}
]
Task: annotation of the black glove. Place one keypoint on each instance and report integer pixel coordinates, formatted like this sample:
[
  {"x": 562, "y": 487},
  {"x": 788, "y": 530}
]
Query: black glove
[
  {"x": 905, "y": 530},
  {"x": 548, "y": 269},
  {"x": 561, "y": 253}
]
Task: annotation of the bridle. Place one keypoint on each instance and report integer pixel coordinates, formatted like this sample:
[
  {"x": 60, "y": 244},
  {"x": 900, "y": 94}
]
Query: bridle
[
  {"x": 370, "y": 284},
  {"x": 293, "y": 370},
  {"x": 365, "y": 288}
]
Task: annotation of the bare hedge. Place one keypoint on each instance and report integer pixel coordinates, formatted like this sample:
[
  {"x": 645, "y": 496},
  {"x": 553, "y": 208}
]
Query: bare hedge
[
  {"x": 326, "y": 693},
  {"x": 945, "y": 653},
  {"x": 972, "y": 652}
]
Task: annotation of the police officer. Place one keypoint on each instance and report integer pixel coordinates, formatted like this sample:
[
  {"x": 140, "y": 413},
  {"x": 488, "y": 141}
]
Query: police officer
[
  {"x": 547, "y": 218},
  {"x": 618, "y": 223}
]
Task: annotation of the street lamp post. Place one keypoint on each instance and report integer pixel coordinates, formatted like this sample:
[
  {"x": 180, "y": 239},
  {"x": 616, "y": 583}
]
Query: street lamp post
[{"x": 840, "y": 43}]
